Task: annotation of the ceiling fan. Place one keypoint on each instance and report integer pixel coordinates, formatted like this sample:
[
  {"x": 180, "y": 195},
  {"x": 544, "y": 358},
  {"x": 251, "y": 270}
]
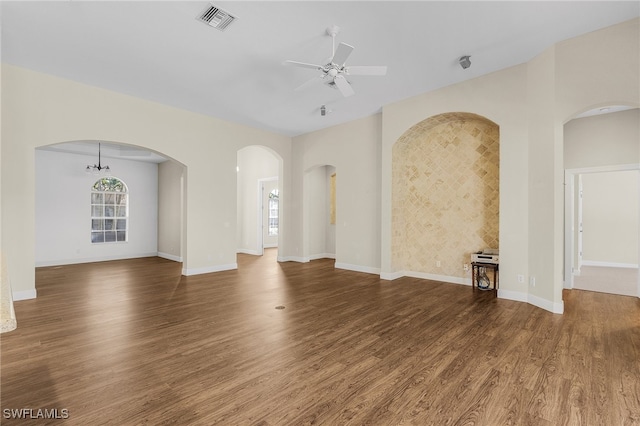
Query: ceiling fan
[{"x": 335, "y": 71}]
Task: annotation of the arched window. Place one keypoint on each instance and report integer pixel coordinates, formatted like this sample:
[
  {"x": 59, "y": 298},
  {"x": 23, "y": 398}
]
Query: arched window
[
  {"x": 109, "y": 210},
  {"x": 274, "y": 200}
]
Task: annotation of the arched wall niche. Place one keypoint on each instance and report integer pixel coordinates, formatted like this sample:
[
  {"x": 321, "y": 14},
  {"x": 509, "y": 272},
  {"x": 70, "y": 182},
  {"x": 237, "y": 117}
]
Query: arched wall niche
[
  {"x": 445, "y": 194},
  {"x": 319, "y": 230}
]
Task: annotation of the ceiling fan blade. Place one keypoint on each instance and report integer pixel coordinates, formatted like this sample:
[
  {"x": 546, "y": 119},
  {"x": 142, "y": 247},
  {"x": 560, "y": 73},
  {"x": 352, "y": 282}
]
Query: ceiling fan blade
[
  {"x": 342, "y": 53},
  {"x": 343, "y": 86},
  {"x": 366, "y": 70},
  {"x": 303, "y": 65},
  {"x": 309, "y": 83}
]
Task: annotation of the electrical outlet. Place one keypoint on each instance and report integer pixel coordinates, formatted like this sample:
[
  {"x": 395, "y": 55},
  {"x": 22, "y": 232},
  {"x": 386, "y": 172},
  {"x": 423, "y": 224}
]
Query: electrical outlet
[
  {"x": 532, "y": 281},
  {"x": 437, "y": 263},
  {"x": 520, "y": 278},
  {"x": 465, "y": 267}
]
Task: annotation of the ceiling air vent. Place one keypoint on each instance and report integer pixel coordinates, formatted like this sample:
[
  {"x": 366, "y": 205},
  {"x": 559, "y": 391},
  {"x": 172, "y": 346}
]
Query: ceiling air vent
[{"x": 216, "y": 17}]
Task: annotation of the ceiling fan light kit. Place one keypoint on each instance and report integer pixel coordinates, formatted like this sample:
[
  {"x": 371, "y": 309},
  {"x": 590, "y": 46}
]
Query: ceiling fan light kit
[
  {"x": 335, "y": 71},
  {"x": 465, "y": 61},
  {"x": 324, "y": 110}
]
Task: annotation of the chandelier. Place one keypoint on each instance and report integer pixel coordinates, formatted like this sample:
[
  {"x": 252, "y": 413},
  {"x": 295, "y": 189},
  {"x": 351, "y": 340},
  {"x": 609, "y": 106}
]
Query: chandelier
[{"x": 98, "y": 169}]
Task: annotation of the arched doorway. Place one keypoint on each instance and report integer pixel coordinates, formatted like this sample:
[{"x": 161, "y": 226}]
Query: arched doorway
[
  {"x": 259, "y": 196},
  {"x": 67, "y": 222},
  {"x": 602, "y": 177}
]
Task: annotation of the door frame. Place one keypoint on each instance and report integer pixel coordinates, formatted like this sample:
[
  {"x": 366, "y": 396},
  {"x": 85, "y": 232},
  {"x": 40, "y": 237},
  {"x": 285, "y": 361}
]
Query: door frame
[{"x": 260, "y": 213}]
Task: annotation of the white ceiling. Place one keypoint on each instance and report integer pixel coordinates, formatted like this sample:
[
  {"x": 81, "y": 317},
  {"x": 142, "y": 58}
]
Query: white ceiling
[{"x": 158, "y": 51}]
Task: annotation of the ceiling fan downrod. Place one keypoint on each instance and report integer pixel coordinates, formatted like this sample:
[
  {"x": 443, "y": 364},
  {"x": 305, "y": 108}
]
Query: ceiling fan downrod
[{"x": 333, "y": 30}]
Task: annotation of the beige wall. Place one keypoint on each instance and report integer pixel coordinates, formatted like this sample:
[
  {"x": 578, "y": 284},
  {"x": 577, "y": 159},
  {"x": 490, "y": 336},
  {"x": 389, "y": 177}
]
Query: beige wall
[
  {"x": 610, "y": 218},
  {"x": 530, "y": 103},
  {"x": 353, "y": 149},
  {"x": 41, "y": 110},
  {"x": 170, "y": 224},
  {"x": 602, "y": 140}
]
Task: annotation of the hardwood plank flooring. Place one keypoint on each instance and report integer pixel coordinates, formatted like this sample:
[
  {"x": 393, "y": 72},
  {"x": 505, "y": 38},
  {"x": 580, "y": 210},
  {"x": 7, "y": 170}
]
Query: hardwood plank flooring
[{"x": 133, "y": 342}]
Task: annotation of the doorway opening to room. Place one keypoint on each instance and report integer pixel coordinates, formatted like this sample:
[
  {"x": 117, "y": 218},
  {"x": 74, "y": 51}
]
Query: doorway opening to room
[
  {"x": 269, "y": 212},
  {"x": 602, "y": 237},
  {"x": 98, "y": 221},
  {"x": 602, "y": 192},
  {"x": 259, "y": 200}
]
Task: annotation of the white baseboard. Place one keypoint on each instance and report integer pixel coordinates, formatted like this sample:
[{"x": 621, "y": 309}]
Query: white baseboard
[
  {"x": 322, "y": 256},
  {"x": 556, "y": 308},
  {"x": 209, "y": 269},
  {"x": 435, "y": 277},
  {"x": 275, "y": 245},
  {"x": 425, "y": 276},
  {"x": 516, "y": 296},
  {"x": 248, "y": 251},
  {"x": 547, "y": 305},
  {"x": 293, "y": 259},
  {"x": 92, "y": 259},
  {"x": 170, "y": 257},
  {"x": 357, "y": 268},
  {"x": 24, "y": 295},
  {"x": 390, "y": 276},
  {"x": 609, "y": 264}
]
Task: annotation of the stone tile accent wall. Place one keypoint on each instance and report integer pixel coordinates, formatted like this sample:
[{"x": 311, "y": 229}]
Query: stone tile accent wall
[{"x": 445, "y": 202}]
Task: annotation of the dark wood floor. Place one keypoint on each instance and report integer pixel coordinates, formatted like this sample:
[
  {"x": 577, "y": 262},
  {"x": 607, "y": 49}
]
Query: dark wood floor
[{"x": 133, "y": 342}]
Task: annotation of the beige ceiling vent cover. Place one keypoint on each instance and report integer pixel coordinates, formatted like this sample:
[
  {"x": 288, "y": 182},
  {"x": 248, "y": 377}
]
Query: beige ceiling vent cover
[{"x": 216, "y": 17}]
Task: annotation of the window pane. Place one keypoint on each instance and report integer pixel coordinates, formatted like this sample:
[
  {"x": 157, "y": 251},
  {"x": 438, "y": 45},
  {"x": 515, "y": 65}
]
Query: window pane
[
  {"x": 109, "y": 236},
  {"x": 121, "y": 199},
  {"x": 121, "y": 211},
  {"x": 109, "y": 224},
  {"x": 121, "y": 224},
  {"x": 97, "y": 237},
  {"x": 109, "y": 198},
  {"x": 273, "y": 213},
  {"x": 121, "y": 235},
  {"x": 97, "y": 211},
  {"x": 109, "y": 211},
  {"x": 97, "y": 225},
  {"x": 97, "y": 198}
]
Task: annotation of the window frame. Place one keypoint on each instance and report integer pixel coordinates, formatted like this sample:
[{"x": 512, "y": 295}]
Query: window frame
[
  {"x": 109, "y": 211},
  {"x": 274, "y": 198}
]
